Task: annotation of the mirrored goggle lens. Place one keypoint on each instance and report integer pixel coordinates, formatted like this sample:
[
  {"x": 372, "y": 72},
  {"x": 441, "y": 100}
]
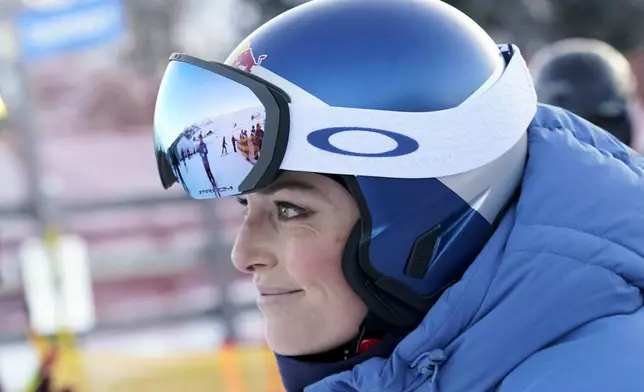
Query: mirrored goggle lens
[{"x": 208, "y": 131}]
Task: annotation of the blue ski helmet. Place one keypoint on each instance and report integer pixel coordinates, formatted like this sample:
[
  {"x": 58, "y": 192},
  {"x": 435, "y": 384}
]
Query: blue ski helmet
[{"x": 408, "y": 103}]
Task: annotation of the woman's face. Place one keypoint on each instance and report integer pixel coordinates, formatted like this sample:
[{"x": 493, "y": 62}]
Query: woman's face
[{"x": 292, "y": 241}]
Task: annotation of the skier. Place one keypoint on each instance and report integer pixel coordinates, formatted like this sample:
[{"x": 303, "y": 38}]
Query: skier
[
  {"x": 174, "y": 161},
  {"x": 203, "y": 152},
  {"x": 591, "y": 79},
  {"x": 426, "y": 228},
  {"x": 224, "y": 147},
  {"x": 260, "y": 135}
]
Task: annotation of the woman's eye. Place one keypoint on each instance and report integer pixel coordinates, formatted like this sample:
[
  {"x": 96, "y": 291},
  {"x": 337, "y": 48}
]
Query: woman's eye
[
  {"x": 287, "y": 211},
  {"x": 244, "y": 203}
]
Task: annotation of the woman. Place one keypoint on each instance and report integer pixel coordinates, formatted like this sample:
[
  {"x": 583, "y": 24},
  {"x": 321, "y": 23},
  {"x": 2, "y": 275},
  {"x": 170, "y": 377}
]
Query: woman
[{"x": 415, "y": 221}]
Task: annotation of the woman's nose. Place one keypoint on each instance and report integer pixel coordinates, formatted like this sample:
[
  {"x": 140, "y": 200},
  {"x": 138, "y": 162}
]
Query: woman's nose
[{"x": 251, "y": 252}]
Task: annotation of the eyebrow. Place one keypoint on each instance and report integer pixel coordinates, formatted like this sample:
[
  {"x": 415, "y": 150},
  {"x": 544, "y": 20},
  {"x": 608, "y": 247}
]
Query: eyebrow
[{"x": 290, "y": 185}]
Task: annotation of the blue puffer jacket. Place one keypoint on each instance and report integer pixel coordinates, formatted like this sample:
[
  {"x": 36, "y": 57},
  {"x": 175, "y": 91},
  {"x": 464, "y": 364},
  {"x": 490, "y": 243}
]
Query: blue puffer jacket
[{"x": 554, "y": 301}]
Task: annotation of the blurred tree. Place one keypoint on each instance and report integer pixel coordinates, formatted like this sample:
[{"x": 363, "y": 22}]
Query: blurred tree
[
  {"x": 531, "y": 23},
  {"x": 518, "y": 22},
  {"x": 617, "y": 22},
  {"x": 152, "y": 33},
  {"x": 267, "y": 10}
]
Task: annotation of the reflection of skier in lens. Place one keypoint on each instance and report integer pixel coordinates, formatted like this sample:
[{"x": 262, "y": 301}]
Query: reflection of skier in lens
[
  {"x": 203, "y": 151},
  {"x": 224, "y": 147},
  {"x": 255, "y": 142},
  {"x": 234, "y": 142},
  {"x": 260, "y": 136},
  {"x": 175, "y": 161}
]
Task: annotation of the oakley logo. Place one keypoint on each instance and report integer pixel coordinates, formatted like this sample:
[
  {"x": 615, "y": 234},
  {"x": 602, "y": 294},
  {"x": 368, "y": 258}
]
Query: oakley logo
[{"x": 404, "y": 144}]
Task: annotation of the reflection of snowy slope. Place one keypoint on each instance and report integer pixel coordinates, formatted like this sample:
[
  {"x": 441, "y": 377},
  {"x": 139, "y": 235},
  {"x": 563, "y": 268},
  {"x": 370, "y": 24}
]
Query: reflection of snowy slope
[
  {"x": 205, "y": 128},
  {"x": 229, "y": 124},
  {"x": 185, "y": 144},
  {"x": 229, "y": 171}
]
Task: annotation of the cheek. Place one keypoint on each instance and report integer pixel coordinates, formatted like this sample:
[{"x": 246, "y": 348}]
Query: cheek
[{"x": 316, "y": 262}]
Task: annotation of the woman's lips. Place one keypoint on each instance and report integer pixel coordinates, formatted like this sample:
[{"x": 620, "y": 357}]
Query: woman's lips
[{"x": 277, "y": 296}]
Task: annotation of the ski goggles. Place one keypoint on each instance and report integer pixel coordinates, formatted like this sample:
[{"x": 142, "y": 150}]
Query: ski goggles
[{"x": 222, "y": 131}]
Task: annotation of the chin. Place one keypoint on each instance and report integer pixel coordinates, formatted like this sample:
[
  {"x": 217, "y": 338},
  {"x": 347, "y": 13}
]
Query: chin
[
  {"x": 287, "y": 342},
  {"x": 288, "y": 339}
]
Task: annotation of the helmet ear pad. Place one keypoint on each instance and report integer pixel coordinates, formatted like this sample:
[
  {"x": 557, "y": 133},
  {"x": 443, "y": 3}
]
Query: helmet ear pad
[
  {"x": 404, "y": 252},
  {"x": 379, "y": 302}
]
